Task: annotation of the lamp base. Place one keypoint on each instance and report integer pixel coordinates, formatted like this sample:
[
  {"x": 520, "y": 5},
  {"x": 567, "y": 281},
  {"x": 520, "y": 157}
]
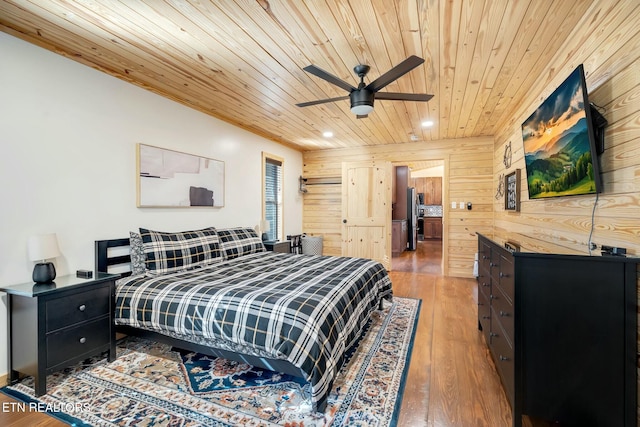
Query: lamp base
[{"x": 44, "y": 272}]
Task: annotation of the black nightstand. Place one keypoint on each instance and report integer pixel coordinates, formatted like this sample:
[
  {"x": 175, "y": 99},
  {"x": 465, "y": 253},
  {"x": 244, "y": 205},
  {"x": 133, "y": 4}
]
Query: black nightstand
[
  {"x": 284, "y": 247},
  {"x": 52, "y": 326}
]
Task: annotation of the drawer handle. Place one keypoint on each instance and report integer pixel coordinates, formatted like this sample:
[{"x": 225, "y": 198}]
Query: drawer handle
[
  {"x": 486, "y": 284},
  {"x": 493, "y": 334},
  {"x": 504, "y": 314},
  {"x": 83, "y": 340},
  {"x": 486, "y": 317},
  {"x": 504, "y": 358},
  {"x": 82, "y": 307}
]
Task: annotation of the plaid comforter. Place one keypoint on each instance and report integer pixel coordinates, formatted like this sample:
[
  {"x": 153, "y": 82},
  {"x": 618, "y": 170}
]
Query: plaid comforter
[{"x": 305, "y": 309}]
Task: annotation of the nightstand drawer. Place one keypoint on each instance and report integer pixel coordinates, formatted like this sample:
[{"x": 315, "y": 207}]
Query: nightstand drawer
[
  {"x": 80, "y": 340},
  {"x": 76, "y": 308},
  {"x": 283, "y": 247}
]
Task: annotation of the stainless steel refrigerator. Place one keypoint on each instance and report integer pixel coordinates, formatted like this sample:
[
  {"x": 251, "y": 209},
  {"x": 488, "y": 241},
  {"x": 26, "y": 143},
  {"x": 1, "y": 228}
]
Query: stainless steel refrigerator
[{"x": 412, "y": 218}]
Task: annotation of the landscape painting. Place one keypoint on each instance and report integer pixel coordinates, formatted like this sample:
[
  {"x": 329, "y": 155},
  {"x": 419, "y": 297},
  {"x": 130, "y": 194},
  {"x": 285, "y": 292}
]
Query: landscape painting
[{"x": 557, "y": 151}]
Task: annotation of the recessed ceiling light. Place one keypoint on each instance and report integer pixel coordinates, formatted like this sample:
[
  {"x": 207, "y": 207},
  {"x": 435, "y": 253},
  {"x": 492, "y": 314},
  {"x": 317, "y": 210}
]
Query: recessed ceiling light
[
  {"x": 427, "y": 123},
  {"x": 327, "y": 134}
]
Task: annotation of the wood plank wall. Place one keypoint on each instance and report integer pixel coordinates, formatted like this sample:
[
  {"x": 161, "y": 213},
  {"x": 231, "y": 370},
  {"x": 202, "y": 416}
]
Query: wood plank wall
[
  {"x": 468, "y": 178},
  {"x": 607, "y": 42}
]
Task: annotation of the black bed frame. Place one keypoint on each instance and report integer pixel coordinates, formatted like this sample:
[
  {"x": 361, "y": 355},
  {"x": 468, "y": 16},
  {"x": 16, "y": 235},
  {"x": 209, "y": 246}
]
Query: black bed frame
[{"x": 104, "y": 261}]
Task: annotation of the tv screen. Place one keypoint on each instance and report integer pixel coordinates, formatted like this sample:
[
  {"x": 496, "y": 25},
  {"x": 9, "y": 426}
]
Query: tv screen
[{"x": 561, "y": 156}]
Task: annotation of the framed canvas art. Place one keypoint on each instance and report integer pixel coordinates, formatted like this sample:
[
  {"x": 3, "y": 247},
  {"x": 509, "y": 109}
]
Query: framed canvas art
[
  {"x": 168, "y": 178},
  {"x": 512, "y": 191}
]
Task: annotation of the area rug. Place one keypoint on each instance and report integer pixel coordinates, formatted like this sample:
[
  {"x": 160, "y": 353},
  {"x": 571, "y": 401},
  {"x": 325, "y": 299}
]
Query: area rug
[{"x": 152, "y": 384}]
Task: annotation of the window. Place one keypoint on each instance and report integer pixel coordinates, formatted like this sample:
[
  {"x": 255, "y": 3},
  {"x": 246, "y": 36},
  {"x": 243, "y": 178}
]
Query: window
[{"x": 272, "y": 195}]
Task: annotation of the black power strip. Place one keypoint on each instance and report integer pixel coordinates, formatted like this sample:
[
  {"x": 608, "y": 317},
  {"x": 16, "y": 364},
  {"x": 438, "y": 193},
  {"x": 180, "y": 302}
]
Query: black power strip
[{"x": 612, "y": 250}]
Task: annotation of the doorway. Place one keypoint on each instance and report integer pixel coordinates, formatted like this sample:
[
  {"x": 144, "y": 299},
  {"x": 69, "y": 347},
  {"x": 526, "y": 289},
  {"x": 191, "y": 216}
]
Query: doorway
[{"x": 428, "y": 179}]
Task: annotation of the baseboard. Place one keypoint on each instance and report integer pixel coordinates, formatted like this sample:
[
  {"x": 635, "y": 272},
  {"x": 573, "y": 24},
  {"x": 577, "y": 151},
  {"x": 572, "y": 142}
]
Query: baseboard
[{"x": 3, "y": 380}]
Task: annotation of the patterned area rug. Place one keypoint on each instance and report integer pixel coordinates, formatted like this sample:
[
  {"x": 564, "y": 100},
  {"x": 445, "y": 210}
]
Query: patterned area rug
[{"x": 152, "y": 384}]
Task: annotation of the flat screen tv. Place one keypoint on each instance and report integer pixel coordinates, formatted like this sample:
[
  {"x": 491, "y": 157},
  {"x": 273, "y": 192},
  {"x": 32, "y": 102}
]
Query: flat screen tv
[{"x": 562, "y": 141}]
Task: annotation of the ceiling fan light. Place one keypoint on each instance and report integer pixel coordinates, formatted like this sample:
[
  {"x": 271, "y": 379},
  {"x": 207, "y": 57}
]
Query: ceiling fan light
[{"x": 362, "y": 109}]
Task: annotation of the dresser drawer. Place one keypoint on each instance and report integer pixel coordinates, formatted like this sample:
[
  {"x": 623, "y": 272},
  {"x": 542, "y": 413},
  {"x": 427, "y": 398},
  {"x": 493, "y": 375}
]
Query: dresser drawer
[
  {"x": 503, "y": 312},
  {"x": 504, "y": 358},
  {"x": 484, "y": 314},
  {"x": 506, "y": 280},
  {"x": 76, "y": 341},
  {"x": 494, "y": 265},
  {"x": 77, "y": 307},
  {"x": 484, "y": 285}
]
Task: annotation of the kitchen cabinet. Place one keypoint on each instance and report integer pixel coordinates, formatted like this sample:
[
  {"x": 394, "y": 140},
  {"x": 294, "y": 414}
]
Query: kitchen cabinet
[
  {"x": 433, "y": 191},
  {"x": 399, "y": 206},
  {"x": 418, "y": 183},
  {"x": 432, "y": 228},
  {"x": 399, "y": 237},
  {"x": 431, "y": 187}
]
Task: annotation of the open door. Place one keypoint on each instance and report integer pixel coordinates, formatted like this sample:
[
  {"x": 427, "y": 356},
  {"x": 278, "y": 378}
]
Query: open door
[{"x": 366, "y": 210}]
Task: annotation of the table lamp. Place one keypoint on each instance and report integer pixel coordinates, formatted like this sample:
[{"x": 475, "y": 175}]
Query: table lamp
[{"x": 41, "y": 248}]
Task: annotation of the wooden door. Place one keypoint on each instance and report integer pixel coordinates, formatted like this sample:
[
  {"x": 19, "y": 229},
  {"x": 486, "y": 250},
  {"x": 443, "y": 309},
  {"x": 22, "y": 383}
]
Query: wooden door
[{"x": 366, "y": 210}]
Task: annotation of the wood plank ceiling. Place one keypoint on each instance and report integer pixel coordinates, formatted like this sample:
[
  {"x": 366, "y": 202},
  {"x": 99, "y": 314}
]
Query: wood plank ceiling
[{"x": 242, "y": 61}]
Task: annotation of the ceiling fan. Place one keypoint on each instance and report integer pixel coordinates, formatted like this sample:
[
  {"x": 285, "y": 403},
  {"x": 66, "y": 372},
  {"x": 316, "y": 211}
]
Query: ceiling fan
[{"x": 362, "y": 97}]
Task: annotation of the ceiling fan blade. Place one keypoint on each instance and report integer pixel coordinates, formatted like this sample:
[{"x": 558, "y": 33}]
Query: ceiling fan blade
[
  {"x": 322, "y": 101},
  {"x": 395, "y": 73},
  {"x": 395, "y": 96},
  {"x": 319, "y": 72}
]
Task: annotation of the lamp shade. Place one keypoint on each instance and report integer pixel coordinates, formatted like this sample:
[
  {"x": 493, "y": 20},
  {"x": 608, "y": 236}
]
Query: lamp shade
[
  {"x": 362, "y": 109},
  {"x": 265, "y": 226},
  {"x": 43, "y": 247}
]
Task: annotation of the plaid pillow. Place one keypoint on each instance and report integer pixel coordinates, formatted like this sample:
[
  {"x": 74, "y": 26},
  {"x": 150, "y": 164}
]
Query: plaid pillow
[
  {"x": 171, "y": 252},
  {"x": 138, "y": 265},
  {"x": 236, "y": 242}
]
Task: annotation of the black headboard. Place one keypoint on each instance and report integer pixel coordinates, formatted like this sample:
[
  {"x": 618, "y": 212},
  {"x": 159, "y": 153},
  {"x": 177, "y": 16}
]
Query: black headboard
[{"x": 103, "y": 258}]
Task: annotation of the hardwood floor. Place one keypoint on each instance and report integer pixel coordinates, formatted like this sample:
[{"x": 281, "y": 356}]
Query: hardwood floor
[{"x": 451, "y": 381}]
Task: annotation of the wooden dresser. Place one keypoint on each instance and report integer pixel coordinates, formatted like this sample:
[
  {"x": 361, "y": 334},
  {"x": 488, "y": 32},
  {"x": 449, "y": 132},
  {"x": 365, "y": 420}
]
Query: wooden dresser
[{"x": 562, "y": 332}]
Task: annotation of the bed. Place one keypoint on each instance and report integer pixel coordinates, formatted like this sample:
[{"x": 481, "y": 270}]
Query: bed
[{"x": 219, "y": 292}]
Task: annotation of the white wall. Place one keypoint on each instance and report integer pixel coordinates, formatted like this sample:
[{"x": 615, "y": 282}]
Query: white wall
[
  {"x": 68, "y": 137},
  {"x": 430, "y": 172}
]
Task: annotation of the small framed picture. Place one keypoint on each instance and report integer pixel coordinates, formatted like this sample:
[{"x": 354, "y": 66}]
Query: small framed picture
[{"x": 512, "y": 191}]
